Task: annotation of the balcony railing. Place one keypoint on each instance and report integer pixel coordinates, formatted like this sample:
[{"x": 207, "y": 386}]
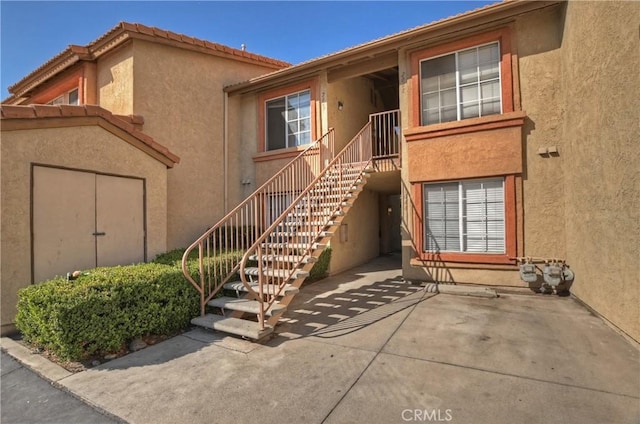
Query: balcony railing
[{"x": 385, "y": 134}]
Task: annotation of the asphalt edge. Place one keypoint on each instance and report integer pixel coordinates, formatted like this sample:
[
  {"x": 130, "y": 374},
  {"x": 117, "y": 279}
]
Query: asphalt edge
[
  {"x": 49, "y": 371},
  {"x": 35, "y": 362}
]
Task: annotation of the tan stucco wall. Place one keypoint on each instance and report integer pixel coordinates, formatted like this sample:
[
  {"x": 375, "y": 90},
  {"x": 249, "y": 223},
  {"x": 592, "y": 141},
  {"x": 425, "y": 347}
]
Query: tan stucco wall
[
  {"x": 600, "y": 157},
  {"x": 115, "y": 81},
  {"x": 579, "y": 86},
  {"x": 190, "y": 123},
  {"x": 355, "y": 94},
  {"x": 538, "y": 46},
  {"x": 537, "y": 49},
  {"x": 363, "y": 241},
  {"x": 89, "y": 148}
]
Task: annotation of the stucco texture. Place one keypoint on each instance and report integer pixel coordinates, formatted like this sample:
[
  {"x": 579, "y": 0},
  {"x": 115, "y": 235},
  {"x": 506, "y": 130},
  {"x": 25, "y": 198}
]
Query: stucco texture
[
  {"x": 580, "y": 202},
  {"x": 190, "y": 122},
  {"x": 538, "y": 47},
  {"x": 89, "y": 148},
  {"x": 601, "y": 155},
  {"x": 362, "y": 242},
  {"x": 115, "y": 81},
  {"x": 355, "y": 95}
]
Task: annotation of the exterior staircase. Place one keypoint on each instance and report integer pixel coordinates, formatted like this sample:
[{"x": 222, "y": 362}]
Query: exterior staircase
[{"x": 246, "y": 296}]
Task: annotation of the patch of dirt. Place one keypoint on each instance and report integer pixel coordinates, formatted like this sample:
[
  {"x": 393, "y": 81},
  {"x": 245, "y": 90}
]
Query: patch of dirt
[{"x": 95, "y": 360}]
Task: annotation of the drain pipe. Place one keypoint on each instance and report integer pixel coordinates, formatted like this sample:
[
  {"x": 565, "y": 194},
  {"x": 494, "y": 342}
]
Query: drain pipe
[{"x": 225, "y": 136}]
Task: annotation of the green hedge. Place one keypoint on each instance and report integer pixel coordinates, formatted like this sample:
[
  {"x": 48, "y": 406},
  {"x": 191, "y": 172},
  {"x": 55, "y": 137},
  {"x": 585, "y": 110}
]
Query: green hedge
[
  {"x": 319, "y": 270},
  {"x": 106, "y": 307}
]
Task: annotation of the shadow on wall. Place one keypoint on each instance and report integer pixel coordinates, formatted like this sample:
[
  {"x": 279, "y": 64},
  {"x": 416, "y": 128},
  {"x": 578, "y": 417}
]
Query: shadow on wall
[{"x": 434, "y": 268}]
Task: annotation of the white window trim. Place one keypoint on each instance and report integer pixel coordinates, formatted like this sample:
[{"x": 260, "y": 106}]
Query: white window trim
[
  {"x": 286, "y": 135},
  {"x": 458, "y": 85}
]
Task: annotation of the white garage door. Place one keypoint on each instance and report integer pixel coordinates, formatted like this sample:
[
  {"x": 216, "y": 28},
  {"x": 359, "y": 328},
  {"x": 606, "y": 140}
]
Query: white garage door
[{"x": 82, "y": 220}]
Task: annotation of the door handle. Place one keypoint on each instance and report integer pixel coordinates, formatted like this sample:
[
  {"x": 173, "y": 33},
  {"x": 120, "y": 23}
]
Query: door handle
[{"x": 99, "y": 234}]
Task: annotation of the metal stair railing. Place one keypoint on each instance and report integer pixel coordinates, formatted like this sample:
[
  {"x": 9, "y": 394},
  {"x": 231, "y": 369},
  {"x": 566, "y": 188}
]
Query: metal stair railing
[
  {"x": 228, "y": 239},
  {"x": 295, "y": 232}
]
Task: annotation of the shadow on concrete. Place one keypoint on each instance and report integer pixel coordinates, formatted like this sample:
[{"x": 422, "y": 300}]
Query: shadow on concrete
[
  {"x": 349, "y": 302},
  {"x": 328, "y": 308}
]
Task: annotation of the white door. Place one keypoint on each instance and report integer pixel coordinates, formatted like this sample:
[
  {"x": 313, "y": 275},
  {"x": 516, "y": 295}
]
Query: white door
[
  {"x": 119, "y": 220},
  {"x": 82, "y": 220},
  {"x": 64, "y": 220}
]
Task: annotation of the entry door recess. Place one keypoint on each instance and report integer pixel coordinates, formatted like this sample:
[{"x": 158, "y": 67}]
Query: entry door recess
[{"x": 82, "y": 220}]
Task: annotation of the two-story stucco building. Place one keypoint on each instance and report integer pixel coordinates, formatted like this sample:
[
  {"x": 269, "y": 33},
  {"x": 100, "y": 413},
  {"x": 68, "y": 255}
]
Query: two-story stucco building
[{"x": 507, "y": 132}]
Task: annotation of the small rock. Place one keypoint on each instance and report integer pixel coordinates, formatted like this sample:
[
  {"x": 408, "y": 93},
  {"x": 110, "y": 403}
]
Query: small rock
[
  {"x": 110, "y": 356},
  {"x": 95, "y": 363},
  {"x": 136, "y": 345}
]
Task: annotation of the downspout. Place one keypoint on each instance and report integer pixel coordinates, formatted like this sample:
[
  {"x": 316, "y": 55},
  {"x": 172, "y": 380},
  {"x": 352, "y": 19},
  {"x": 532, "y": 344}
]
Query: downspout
[{"x": 225, "y": 165}]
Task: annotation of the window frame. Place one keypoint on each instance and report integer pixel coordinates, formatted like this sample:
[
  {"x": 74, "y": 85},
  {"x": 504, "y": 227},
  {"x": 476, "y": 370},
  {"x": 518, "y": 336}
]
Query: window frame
[
  {"x": 263, "y": 98},
  {"x": 461, "y": 231},
  {"x": 287, "y": 120},
  {"x": 502, "y": 36},
  {"x": 510, "y": 230},
  {"x": 459, "y": 85},
  {"x": 63, "y": 99}
]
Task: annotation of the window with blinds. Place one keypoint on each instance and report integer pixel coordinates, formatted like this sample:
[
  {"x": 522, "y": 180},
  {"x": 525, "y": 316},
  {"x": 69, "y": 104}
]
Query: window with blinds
[{"x": 464, "y": 216}]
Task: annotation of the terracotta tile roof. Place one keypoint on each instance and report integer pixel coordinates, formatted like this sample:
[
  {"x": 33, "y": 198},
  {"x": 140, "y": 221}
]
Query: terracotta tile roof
[
  {"x": 127, "y": 124},
  {"x": 120, "y": 33}
]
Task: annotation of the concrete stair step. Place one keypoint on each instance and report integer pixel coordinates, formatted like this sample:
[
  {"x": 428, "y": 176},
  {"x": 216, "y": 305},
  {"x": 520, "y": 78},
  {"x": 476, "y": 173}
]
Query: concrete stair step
[
  {"x": 285, "y": 258},
  {"x": 320, "y": 190},
  {"x": 296, "y": 224},
  {"x": 278, "y": 273},
  {"x": 331, "y": 214},
  {"x": 245, "y": 305},
  {"x": 237, "y": 326},
  {"x": 304, "y": 246},
  {"x": 286, "y": 234},
  {"x": 351, "y": 195},
  {"x": 237, "y": 286}
]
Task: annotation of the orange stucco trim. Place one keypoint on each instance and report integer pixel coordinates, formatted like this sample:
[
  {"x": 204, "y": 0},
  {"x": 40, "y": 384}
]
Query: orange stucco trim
[
  {"x": 312, "y": 85},
  {"x": 512, "y": 212},
  {"x": 290, "y": 152},
  {"x": 63, "y": 86},
  {"x": 509, "y": 119},
  {"x": 503, "y": 36}
]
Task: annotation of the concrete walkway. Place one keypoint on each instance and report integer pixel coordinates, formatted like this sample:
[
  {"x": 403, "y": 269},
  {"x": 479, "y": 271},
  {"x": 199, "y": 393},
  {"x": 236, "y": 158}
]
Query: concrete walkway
[{"x": 365, "y": 347}]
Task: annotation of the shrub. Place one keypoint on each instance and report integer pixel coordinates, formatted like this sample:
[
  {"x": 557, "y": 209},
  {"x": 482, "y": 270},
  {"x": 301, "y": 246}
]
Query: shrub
[
  {"x": 105, "y": 308},
  {"x": 320, "y": 268},
  {"x": 218, "y": 267}
]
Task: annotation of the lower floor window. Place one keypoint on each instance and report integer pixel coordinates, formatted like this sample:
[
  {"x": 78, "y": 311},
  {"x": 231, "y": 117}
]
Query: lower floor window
[{"x": 465, "y": 216}]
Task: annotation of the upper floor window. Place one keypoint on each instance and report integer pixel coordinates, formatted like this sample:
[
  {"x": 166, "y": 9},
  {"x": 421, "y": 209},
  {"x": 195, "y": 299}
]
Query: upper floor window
[
  {"x": 460, "y": 85},
  {"x": 471, "y": 77},
  {"x": 69, "y": 98},
  {"x": 288, "y": 120}
]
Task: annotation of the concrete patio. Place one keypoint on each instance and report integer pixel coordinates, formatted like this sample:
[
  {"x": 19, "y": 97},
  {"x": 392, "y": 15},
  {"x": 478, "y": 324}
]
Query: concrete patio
[{"x": 366, "y": 347}]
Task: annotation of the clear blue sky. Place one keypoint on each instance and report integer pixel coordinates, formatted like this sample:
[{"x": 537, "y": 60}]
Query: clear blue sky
[{"x": 33, "y": 32}]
